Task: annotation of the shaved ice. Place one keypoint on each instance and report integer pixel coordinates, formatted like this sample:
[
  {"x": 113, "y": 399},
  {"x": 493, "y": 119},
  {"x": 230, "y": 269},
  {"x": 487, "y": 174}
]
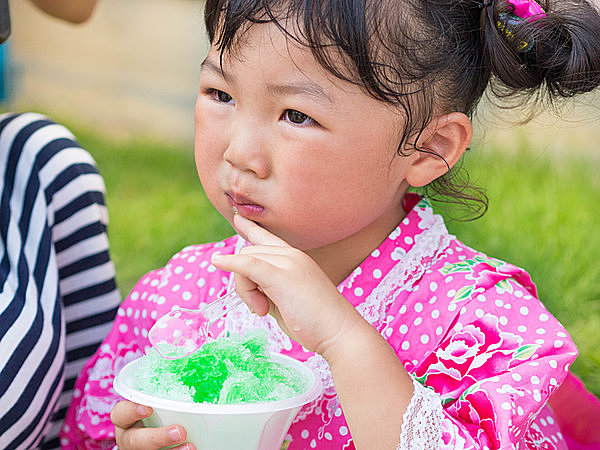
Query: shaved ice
[{"x": 228, "y": 370}]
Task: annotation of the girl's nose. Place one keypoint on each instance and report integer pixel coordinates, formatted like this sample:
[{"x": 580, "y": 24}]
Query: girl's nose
[{"x": 247, "y": 150}]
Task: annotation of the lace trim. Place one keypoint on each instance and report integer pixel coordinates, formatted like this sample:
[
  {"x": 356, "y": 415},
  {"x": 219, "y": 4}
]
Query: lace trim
[
  {"x": 409, "y": 269},
  {"x": 421, "y": 427}
]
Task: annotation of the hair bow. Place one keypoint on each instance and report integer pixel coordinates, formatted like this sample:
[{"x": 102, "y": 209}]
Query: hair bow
[
  {"x": 527, "y": 9},
  {"x": 523, "y": 10}
]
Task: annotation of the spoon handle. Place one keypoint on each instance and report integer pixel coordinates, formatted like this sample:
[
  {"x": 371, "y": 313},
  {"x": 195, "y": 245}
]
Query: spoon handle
[{"x": 220, "y": 306}]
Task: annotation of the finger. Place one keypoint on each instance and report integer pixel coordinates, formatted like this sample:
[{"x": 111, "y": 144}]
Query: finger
[
  {"x": 278, "y": 257},
  {"x": 150, "y": 438},
  {"x": 125, "y": 413},
  {"x": 270, "y": 253},
  {"x": 285, "y": 261},
  {"x": 255, "y": 233},
  {"x": 252, "y": 294},
  {"x": 274, "y": 312},
  {"x": 257, "y": 269},
  {"x": 186, "y": 446},
  {"x": 256, "y": 299}
]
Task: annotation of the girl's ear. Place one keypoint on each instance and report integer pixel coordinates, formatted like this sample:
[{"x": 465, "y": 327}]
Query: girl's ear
[{"x": 443, "y": 142}]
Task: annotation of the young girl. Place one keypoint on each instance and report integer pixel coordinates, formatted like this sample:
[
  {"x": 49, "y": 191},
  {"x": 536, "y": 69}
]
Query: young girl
[{"x": 312, "y": 121}]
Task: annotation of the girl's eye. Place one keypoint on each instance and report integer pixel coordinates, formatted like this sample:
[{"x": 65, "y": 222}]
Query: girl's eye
[
  {"x": 221, "y": 96},
  {"x": 298, "y": 118}
]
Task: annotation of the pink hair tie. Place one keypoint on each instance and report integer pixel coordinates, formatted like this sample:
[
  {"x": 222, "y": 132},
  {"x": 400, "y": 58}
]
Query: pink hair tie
[
  {"x": 523, "y": 11},
  {"x": 527, "y": 9}
]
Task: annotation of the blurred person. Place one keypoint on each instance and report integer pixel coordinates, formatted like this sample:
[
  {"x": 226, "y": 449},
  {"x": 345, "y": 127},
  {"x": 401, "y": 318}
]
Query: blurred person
[
  {"x": 58, "y": 294},
  {"x": 74, "y": 11}
]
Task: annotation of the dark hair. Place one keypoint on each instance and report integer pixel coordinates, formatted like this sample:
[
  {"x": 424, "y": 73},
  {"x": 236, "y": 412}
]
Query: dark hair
[{"x": 432, "y": 56}]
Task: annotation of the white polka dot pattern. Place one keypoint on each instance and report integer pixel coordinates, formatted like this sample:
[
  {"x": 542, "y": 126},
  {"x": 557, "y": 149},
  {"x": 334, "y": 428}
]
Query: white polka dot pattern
[{"x": 463, "y": 324}]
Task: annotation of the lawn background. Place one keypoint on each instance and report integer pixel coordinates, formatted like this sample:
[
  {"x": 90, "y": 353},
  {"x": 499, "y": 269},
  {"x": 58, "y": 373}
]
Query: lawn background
[{"x": 543, "y": 216}]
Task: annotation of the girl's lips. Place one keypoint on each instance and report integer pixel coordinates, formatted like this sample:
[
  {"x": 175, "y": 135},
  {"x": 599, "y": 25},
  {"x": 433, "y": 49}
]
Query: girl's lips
[{"x": 244, "y": 206}]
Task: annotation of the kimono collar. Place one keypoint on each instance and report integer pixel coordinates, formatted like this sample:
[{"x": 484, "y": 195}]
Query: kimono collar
[{"x": 399, "y": 261}]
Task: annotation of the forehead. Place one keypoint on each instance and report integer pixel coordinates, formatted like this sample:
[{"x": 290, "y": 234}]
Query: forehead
[
  {"x": 260, "y": 47},
  {"x": 269, "y": 49}
]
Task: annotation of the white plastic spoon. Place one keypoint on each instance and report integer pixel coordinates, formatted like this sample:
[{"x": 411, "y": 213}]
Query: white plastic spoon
[{"x": 183, "y": 331}]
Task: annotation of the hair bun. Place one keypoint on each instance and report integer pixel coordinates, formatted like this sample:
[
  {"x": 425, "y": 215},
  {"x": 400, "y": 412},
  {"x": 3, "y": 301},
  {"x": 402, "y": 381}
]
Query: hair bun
[{"x": 559, "y": 53}]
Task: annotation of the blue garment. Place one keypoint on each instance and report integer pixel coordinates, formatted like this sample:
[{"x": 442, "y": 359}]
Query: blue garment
[{"x": 5, "y": 72}]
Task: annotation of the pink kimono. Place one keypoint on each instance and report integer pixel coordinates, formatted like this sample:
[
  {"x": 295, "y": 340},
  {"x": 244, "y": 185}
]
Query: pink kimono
[{"x": 465, "y": 325}]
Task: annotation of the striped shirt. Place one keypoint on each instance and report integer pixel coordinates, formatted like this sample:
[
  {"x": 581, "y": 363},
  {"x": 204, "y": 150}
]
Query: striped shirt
[{"x": 58, "y": 294}]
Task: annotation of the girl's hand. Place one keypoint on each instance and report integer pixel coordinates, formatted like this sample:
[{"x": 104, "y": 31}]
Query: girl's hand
[
  {"x": 130, "y": 434},
  {"x": 273, "y": 277},
  {"x": 372, "y": 385}
]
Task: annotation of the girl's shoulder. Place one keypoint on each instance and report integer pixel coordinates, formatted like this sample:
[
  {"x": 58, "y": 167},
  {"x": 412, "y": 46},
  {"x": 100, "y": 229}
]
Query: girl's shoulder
[
  {"x": 466, "y": 288},
  {"x": 464, "y": 272}
]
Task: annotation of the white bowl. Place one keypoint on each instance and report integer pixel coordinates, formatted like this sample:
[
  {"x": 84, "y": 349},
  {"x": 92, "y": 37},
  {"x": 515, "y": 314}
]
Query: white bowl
[{"x": 245, "y": 426}]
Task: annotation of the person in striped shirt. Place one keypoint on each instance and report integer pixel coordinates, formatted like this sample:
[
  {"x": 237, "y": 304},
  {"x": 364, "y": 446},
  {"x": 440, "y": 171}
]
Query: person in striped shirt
[{"x": 58, "y": 295}]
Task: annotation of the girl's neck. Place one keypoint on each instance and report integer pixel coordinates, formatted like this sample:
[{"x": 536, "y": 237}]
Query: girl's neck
[{"x": 339, "y": 259}]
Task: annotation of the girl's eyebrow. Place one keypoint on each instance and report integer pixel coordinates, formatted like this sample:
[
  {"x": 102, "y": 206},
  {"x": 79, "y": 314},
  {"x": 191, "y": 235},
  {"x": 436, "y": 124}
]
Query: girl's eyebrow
[
  {"x": 303, "y": 88},
  {"x": 295, "y": 88},
  {"x": 209, "y": 65}
]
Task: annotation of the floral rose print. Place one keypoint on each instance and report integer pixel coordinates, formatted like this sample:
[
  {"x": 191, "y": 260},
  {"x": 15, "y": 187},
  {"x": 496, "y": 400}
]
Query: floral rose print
[{"x": 478, "y": 349}]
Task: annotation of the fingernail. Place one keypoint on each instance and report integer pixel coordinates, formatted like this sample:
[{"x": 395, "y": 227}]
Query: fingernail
[
  {"x": 174, "y": 434},
  {"x": 143, "y": 410},
  {"x": 216, "y": 257},
  {"x": 235, "y": 210}
]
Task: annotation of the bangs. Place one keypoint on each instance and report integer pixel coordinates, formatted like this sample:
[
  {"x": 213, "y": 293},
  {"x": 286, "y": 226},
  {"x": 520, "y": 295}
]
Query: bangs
[{"x": 340, "y": 34}]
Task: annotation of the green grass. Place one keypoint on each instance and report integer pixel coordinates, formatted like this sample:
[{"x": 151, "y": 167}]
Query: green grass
[{"x": 543, "y": 216}]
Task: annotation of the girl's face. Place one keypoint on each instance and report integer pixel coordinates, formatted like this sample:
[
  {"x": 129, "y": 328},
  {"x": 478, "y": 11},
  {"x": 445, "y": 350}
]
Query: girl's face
[{"x": 306, "y": 155}]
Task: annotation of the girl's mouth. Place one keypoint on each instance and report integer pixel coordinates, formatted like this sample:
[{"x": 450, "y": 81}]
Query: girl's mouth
[{"x": 244, "y": 205}]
